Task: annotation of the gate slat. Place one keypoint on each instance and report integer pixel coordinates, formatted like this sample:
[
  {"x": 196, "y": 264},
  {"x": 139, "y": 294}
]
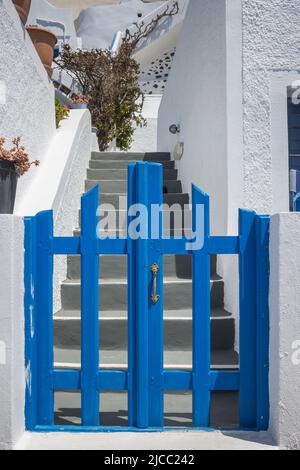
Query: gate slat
[
  {"x": 44, "y": 320},
  {"x": 138, "y": 341},
  {"x": 201, "y": 317},
  {"x": 89, "y": 309},
  {"x": 247, "y": 262},
  {"x": 156, "y": 311}
]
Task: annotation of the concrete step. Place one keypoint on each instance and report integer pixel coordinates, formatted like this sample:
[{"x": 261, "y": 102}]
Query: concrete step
[
  {"x": 119, "y": 200},
  {"x": 70, "y": 358},
  {"x": 121, "y": 164},
  {"x": 115, "y": 267},
  {"x": 113, "y": 330},
  {"x": 178, "y": 406},
  {"x": 121, "y": 174},
  {"x": 113, "y": 294},
  {"x": 129, "y": 156},
  {"x": 120, "y": 186}
]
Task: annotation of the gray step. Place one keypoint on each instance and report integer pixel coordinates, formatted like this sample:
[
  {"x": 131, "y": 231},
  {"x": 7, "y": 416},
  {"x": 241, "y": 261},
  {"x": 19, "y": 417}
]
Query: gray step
[
  {"x": 113, "y": 294},
  {"x": 120, "y": 186},
  {"x": 119, "y": 200},
  {"x": 120, "y": 164},
  {"x": 115, "y": 267},
  {"x": 113, "y": 330},
  {"x": 179, "y": 360},
  {"x": 121, "y": 174},
  {"x": 113, "y": 410},
  {"x": 128, "y": 156}
]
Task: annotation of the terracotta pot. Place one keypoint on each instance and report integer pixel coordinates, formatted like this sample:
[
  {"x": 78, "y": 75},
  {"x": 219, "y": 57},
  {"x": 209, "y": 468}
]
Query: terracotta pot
[
  {"x": 22, "y": 7},
  {"x": 44, "y": 41}
]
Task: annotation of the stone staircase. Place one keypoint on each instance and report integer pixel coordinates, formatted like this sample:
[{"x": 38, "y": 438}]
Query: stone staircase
[{"x": 110, "y": 171}]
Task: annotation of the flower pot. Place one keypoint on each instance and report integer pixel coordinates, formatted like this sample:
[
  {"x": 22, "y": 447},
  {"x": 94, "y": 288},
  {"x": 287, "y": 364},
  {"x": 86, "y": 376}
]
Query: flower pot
[
  {"x": 8, "y": 187},
  {"x": 79, "y": 106},
  {"x": 22, "y": 7},
  {"x": 44, "y": 41}
]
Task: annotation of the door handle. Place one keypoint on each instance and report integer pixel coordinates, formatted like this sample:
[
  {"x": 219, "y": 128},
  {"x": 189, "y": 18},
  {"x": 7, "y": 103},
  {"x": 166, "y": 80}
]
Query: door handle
[{"x": 155, "y": 269}]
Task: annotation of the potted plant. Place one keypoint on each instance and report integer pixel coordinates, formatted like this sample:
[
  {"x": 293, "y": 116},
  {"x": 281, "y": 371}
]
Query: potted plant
[
  {"x": 61, "y": 112},
  {"x": 13, "y": 164},
  {"x": 23, "y": 7},
  {"x": 44, "y": 41},
  {"x": 80, "y": 102}
]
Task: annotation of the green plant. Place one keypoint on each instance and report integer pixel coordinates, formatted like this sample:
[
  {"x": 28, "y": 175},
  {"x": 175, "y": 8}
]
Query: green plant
[{"x": 61, "y": 112}]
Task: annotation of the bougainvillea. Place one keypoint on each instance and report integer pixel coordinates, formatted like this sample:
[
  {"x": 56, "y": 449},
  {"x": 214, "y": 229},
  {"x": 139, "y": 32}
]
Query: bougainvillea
[{"x": 17, "y": 155}]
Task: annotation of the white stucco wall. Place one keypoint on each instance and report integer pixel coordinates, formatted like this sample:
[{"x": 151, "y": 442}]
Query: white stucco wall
[
  {"x": 200, "y": 99},
  {"x": 12, "y": 374},
  {"x": 285, "y": 329},
  {"x": 28, "y": 106},
  {"x": 98, "y": 24},
  {"x": 58, "y": 20},
  {"x": 145, "y": 139},
  {"x": 235, "y": 61}
]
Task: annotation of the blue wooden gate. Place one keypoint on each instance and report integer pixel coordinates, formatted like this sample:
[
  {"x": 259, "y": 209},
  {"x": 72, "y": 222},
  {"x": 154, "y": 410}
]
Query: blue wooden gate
[{"x": 146, "y": 380}]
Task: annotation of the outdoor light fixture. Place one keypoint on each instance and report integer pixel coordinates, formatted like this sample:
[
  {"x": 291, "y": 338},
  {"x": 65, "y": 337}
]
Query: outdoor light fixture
[{"x": 174, "y": 129}]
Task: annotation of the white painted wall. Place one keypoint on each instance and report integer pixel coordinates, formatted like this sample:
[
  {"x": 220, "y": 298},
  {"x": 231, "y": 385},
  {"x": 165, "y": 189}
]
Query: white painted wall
[
  {"x": 58, "y": 20},
  {"x": 145, "y": 139},
  {"x": 98, "y": 24},
  {"x": 200, "y": 99},
  {"x": 12, "y": 374},
  {"x": 285, "y": 329},
  {"x": 27, "y": 109}
]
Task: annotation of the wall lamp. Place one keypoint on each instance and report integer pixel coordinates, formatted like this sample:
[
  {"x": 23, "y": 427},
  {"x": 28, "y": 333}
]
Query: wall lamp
[{"x": 174, "y": 129}]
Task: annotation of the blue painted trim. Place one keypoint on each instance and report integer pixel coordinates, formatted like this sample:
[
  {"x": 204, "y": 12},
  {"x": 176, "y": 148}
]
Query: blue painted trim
[
  {"x": 31, "y": 401},
  {"x": 44, "y": 317},
  {"x": 263, "y": 323},
  {"x": 248, "y": 323}
]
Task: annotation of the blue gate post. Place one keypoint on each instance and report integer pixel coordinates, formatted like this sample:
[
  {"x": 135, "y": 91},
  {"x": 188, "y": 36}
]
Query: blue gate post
[
  {"x": 145, "y": 322},
  {"x": 201, "y": 315},
  {"x": 248, "y": 320},
  {"x": 90, "y": 397},
  {"x": 31, "y": 407},
  {"x": 44, "y": 318},
  {"x": 263, "y": 324}
]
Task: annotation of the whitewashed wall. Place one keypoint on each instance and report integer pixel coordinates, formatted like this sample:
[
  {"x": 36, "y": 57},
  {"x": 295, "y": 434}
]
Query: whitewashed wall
[
  {"x": 228, "y": 91},
  {"x": 145, "y": 138},
  {"x": 199, "y": 98},
  {"x": 27, "y": 109},
  {"x": 12, "y": 373},
  {"x": 58, "y": 20},
  {"x": 285, "y": 330},
  {"x": 235, "y": 61}
]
